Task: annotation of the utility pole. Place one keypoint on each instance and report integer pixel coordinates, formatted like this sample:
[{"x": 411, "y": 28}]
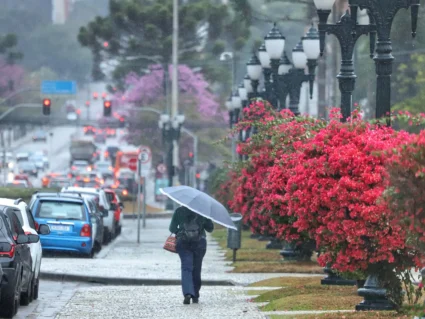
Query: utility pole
[{"x": 175, "y": 85}]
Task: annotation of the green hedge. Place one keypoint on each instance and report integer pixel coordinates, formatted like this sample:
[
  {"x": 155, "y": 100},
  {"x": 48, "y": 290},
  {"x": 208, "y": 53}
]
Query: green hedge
[{"x": 24, "y": 193}]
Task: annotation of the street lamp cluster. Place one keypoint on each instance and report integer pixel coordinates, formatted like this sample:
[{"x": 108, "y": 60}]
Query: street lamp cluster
[
  {"x": 379, "y": 18},
  {"x": 171, "y": 129},
  {"x": 281, "y": 77}
]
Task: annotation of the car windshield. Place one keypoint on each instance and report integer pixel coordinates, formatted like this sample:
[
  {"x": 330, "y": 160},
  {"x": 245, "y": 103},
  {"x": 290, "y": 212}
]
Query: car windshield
[{"x": 61, "y": 210}]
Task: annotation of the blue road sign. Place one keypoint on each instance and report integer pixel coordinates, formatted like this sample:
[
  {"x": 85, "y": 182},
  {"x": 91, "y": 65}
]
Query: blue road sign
[{"x": 59, "y": 87}]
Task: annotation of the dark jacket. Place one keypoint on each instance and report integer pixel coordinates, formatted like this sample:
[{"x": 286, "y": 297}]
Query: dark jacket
[{"x": 183, "y": 214}]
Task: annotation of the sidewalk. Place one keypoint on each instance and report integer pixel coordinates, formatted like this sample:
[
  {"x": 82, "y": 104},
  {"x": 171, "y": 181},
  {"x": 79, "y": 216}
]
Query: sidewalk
[{"x": 125, "y": 262}]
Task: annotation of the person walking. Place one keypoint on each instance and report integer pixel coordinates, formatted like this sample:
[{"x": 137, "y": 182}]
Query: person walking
[{"x": 191, "y": 245}]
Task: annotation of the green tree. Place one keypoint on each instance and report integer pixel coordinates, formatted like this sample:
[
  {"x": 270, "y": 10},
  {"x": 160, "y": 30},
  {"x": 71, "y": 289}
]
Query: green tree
[
  {"x": 138, "y": 33},
  {"x": 8, "y": 48}
]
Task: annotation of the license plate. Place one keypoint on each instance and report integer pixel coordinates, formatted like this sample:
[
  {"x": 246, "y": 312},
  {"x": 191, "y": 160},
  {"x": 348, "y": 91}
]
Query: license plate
[{"x": 60, "y": 227}]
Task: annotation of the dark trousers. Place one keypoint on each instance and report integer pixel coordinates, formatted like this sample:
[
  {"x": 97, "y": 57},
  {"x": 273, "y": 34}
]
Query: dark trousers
[{"x": 191, "y": 256}]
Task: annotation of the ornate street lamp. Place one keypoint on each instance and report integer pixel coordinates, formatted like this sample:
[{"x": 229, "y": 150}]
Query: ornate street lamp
[
  {"x": 171, "y": 129},
  {"x": 311, "y": 44},
  {"x": 229, "y": 107},
  {"x": 267, "y": 71},
  {"x": 343, "y": 30},
  {"x": 296, "y": 77},
  {"x": 284, "y": 66},
  {"x": 383, "y": 14},
  {"x": 253, "y": 68},
  {"x": 275, "y": 44}
]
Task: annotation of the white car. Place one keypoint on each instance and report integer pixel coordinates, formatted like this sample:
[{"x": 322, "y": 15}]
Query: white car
[
  {"x": 30, "y": 227},
  {"x": 106, "y": 209}
]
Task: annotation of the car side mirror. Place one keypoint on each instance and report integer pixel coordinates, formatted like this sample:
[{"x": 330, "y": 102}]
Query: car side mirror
[
  {"x": 32, "y": 239},
  {"x": 22, "y": 239},
  {"x": 44, "y": 229},
  {"x": 113, "y": 206},
  {"x": 122, "y": 205},
  {"x": 105, "y": 213}
]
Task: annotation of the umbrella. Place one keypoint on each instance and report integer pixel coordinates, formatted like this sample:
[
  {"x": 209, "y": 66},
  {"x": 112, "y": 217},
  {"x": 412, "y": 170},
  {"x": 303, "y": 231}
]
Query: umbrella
[{"x": 200, "y": 203}]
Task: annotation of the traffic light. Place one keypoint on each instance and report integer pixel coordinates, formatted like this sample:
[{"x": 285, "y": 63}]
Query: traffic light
[
  {"x": 95, "y": 95},
  {"x": 122, "y": 122},
  {"x": 87, "y": 103},
  {"x": 191, "y": 158},
  {"x": 47, "y": 103},
  {"x": 107, "y": 108}
]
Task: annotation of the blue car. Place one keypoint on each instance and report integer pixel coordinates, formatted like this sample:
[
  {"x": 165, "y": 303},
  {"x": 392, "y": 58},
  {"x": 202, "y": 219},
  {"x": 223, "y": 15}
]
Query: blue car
[{"x": 71, "y": 228}]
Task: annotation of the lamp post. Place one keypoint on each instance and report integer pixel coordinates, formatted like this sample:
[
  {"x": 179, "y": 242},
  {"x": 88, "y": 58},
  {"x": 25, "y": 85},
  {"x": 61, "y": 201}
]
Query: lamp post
[
  {"x": 253, "y": 68},
  {"x": 296, "y": 77},
  {"x": 383, "y": 15},
  {"x": 171, "y": 129},
  {"x": 284, "y": 66},
  {"x": 343, "y": 32},
  {"x": 274, "y": 43},
  {"x": 243, "y": 93},
  {"x": 265, "y": 62}
]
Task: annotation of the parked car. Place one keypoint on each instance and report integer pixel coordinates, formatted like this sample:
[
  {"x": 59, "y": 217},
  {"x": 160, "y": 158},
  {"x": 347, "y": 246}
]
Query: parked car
[
  {"x": 27, "y": 168},
  {"x": 40, "y": 156},
  {"x": 40, "y": 136},
  {"x": 30, "y": 227},
  {"x": 97, "y": 220},
  {"x": 101, "y": 200},
  {"x": 69, "y": 220},
  {"x": 17, "y": 184},
  {"x": 15, "y": 260},
  {"x": 118, "y": 215}
]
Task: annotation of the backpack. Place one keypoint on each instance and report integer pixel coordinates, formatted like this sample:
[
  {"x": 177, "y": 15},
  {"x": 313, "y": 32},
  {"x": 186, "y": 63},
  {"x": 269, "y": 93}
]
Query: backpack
[{"x": 191, "y": 230}]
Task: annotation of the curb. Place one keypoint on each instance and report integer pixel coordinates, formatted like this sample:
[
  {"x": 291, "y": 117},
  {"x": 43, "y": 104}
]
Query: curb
[
  {"x": 114, "y": 281},
  {"x": 160, "y": 215}
]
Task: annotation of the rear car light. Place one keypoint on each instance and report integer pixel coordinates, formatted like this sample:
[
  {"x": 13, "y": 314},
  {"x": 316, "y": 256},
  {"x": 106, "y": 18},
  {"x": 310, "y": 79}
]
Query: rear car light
[
  {"x": 28, "y": 233},
  {"x": 85, "y": 231},
  {"x": 36, "y": 226},
  {"x": 7, "y": 250}
]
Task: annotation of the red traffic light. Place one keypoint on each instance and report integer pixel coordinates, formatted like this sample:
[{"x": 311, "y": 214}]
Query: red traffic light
[
  {"x": 107, "y": 104},
  {"x": 190, "y": 154},
  {"x": 106, "y": 44},
  {"x": 47, "y": 102},
  {"x": 87, "y": 103},
  {"x": 198, "y": 175},
  {"x": 95, "y": 95}
]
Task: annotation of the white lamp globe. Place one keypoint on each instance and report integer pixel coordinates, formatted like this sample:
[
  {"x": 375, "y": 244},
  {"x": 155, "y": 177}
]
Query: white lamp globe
[
  {"x": 253, "y": 68},
  {"x": 298, "y": 56},
  {"x": 311, "y": 43},
  {"x": 264, "y": 57},
  {"x": 274, "y": 43}
]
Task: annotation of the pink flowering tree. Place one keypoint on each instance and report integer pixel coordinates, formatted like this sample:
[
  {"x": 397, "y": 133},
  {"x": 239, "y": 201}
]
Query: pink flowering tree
[
  {"x": 194, "y": 89},
  {"x": 11, "y": 78}
]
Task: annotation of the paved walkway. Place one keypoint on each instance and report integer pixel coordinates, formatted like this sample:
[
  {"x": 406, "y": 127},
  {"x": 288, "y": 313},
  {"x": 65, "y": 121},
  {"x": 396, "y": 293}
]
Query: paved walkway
[{"x": 126, "y": 259}]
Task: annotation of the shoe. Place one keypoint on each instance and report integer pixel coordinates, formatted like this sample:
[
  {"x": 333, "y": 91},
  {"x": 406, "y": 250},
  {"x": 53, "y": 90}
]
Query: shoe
[
  {"x": 186, "y": 300},
  {"x": 195, "y": 300}
]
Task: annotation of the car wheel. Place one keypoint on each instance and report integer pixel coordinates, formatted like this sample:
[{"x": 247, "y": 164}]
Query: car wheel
[
  {"x": 36, "y": 286},
  {"x": 10, "y": 297},
  {"x": 26, "y": 297},
  {"x": 106, "y": 236},
  {"x": 97, "y": 246}
]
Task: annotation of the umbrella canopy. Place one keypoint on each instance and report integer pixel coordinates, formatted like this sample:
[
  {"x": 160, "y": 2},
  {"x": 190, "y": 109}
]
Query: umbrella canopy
[{"x": 200, "y": 203}]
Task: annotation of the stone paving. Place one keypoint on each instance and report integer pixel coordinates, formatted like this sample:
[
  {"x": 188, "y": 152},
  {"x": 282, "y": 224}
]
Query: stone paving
[
  {"x": 124, "y": 258},
  {"x": 163, "y": 302}
]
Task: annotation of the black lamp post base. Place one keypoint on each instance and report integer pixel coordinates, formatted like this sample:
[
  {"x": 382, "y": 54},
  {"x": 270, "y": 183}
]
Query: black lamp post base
[
  {"x": 291, "y": 253},
  {"x": 274, "y": 244},
  {"x": 264, "y": 238},
  {"x": 375, "y": 297},
  {"x": 334, "y": 280}
]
